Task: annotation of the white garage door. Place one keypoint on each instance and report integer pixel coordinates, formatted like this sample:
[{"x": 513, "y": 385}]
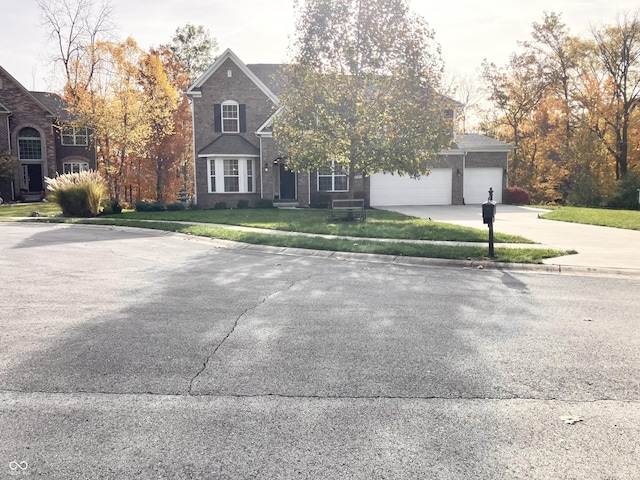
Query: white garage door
[
  {"x": 434, "y": 189},
  {"x": 477, "y": 182}
]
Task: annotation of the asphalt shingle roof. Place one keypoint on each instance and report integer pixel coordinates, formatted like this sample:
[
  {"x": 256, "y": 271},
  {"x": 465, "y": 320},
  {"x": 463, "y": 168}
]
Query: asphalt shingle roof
[
  {"x": 271, "y": 74},
  {"x": 230, "y": 145}
]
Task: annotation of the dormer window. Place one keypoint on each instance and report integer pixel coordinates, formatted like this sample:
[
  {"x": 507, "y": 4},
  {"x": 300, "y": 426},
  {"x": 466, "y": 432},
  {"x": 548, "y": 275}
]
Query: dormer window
[{"x": 230, "y": 117}]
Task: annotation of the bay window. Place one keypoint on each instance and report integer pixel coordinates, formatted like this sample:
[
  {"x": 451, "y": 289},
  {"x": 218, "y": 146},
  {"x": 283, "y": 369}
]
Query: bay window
[{"x": 231, "y": 175}]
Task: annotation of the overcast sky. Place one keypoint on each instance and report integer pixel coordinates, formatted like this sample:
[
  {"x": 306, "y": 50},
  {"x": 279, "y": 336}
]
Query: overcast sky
[{"x": 258, "y": 30}]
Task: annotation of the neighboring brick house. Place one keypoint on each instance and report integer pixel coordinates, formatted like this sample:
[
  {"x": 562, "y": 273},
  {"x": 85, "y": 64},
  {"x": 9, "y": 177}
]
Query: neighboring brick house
[
  {"x": 35, "y": 127},
  {"x": 237, "y": 161}
]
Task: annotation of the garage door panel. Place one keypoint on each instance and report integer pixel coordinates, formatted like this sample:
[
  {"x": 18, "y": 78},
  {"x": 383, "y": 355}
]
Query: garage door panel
[
  {"x": 434, "y": 189},
  {"x": 477, "y": 182}
]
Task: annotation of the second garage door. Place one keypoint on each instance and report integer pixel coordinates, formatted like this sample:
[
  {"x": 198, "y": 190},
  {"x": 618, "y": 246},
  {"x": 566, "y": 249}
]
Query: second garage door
[
  {"x": 434, "y": 189},
  {"x": 477, "y": 182}
]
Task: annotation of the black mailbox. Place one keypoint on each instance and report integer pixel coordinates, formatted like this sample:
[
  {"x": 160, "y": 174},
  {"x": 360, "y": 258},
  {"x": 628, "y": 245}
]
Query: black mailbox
[{"x": 489, "y": 212}]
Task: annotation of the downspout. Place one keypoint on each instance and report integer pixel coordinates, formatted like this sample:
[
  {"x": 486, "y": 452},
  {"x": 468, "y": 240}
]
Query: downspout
[
  {"x": 260, "y": 167},
  {"x": 464, "y": 173},
  {"x": 309, "y": 188},
  {"x": 195, "y": 157}
]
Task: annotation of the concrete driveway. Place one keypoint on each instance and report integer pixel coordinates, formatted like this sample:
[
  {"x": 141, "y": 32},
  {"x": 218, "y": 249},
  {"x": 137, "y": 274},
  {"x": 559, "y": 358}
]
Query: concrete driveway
[{"x": 598, "y": 247}]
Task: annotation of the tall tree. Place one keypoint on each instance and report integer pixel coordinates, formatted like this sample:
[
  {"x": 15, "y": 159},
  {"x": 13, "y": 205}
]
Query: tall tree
[
  {"x": 361, "y": 92},
  {"x": 618, "y": 49},
  {"x": 194, "y": 47},
  {"x": 516, "y": 91},
  {"x": 76, "y": 27}
]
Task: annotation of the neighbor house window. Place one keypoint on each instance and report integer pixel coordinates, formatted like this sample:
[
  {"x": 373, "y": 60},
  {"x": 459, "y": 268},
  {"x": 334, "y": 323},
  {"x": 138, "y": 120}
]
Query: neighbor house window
[
  {"x": 75, "y": 136},
  {"x": 231, "y": 175},
  {"x": 75, "y": 167},
  {"x": 333, "y": 179},
  {"x": 230, "y": 117},
  {"x": 29, "y": 144}
]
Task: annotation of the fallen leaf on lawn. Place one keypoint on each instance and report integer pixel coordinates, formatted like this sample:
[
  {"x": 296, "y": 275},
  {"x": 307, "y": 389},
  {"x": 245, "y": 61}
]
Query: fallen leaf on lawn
[{"x": 570, "y": 420}]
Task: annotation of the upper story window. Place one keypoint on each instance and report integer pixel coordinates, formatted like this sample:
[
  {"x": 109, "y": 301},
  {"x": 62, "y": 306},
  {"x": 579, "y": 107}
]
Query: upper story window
[
  {"x": 333, "y": 179},
  {"x": 230, "y": 117},
  {"x": 29, "y": 144},
  {"x": 75, "y": 136}
]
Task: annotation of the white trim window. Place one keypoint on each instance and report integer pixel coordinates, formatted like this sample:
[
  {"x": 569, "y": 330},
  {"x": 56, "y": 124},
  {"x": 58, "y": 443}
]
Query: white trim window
[
  {"x": 75, "y": 167},
  {"x": 230, "y": 117},
  {"x": 75, "y": 136},
  {"x": 231, "y": 175},
  {"x": 29, "y": 144},
  {"x": 333, "y": 180}
]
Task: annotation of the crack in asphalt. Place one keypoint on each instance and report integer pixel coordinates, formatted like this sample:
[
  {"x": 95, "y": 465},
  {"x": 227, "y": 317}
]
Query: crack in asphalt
[
  {"x": 321, "y": 397},
  {"x": 235, "y": 325}
]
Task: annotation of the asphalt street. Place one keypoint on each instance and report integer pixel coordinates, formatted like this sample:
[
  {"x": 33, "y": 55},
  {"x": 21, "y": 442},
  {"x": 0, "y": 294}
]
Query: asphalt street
[{"x": 128, "y": 353}]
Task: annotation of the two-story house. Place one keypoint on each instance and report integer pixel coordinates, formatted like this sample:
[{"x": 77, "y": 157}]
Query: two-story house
[
  {"x": 37, "y": 128},
  {"x": 237, "y": 161}
]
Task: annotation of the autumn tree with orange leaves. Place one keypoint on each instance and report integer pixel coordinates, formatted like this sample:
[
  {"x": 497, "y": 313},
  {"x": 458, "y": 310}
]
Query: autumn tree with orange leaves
[
  {"x": 570, "y": 105},
  {"x": 132, "y": 101}
]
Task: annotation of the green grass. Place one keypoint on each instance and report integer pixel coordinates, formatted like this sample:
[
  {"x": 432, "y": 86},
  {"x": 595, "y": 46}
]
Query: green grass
[
  {"x": 379, "y": 224},
  {"x": 520, "y": 255},
  {"x": 627, "y": 219},
  {"x": 45, "y": 209}
]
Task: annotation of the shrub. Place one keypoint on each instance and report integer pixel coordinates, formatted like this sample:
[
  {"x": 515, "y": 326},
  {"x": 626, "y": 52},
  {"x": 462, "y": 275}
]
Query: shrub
[
  {"x": 323, "y": 201},
  {"x": 144, "y": 206},
  {"x": 220, "y": 206},
  {"x": 265, "y": 203},
  {"x": 243, "y": 204},
  {"x": 176, "y": 207},
  {"x": 626, "y": 195},
  {"x": 78, "y": 194},
  {"x": 517, "y": 196},
  {"x": 111, "y": 207}
]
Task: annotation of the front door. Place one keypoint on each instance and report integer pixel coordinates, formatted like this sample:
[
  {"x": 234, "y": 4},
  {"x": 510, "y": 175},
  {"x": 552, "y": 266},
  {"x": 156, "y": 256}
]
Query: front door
[
  {"x": 32, "y": 177},
  {"x": 287, "y": 183}
]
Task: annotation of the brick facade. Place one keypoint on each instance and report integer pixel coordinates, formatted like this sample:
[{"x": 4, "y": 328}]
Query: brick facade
[
  {"x": 230, "y": 79},
  {"x": 23, "y": 110}
]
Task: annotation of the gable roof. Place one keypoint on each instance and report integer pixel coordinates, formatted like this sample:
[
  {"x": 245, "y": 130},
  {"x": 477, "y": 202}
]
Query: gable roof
[
  {"x": 55, "y": 104},
  {"x": 271, "y": 74},
  {"x": 480, "y": 143},
  {"x": 230, "y": 145},
  {"x": 195, "y": 89},
  {"x": 26, "y": 92}
]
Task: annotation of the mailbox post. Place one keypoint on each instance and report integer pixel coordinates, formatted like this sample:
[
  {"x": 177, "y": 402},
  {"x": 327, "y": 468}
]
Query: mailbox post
[{"x": 488, "y": 217}]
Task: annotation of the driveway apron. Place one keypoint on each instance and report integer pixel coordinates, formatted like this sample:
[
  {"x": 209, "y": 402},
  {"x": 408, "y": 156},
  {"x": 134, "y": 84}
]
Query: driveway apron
[{"x": 601, "y": 247}]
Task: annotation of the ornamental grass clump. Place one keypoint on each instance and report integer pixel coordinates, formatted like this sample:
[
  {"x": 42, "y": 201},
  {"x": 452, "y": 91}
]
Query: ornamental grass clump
[{"x": 78, "y": 194}]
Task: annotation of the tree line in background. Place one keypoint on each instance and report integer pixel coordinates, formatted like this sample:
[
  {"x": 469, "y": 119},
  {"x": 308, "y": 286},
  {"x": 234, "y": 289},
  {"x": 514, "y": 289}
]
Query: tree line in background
[
  {"x": 569, "y": 104},
  {"x": 571, "y": 107},
  {"x": 133, "y": 101}
]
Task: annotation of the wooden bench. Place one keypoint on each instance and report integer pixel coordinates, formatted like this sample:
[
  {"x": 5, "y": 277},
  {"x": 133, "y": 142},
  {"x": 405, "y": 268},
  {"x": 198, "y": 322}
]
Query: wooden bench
[{"x": 347, "y": 210}]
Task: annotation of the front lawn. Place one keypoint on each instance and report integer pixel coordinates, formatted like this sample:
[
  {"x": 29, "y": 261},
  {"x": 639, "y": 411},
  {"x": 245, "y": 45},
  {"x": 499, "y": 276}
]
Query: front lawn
[
  {"x": 44, "y": 209},
  {"x": 628, "y": 219},
  {"x": 400, "y": 249},
  {"x": 379, "y": 224}
]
